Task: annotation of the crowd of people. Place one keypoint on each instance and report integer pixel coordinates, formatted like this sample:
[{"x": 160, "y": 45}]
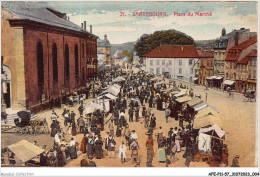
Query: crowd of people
[{"x": 138, "y": 97}]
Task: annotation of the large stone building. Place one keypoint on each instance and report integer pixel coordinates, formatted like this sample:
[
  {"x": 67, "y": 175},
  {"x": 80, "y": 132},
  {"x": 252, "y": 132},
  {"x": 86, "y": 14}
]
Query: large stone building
[
  {"x": 104, "y": 46},
  {"x": 252, "y": 71},
  {"x": 176, "y": 60},
  {"x": 236, "y": 63},
  {"x": 205, "y": 66},
  {"x": 44, "y": 53},
  {"x": 223, "y": 44}
]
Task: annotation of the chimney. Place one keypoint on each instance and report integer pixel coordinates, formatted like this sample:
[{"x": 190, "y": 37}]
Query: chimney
[
  {"x": 90, "y": 29},
  {"x": 159, "y": 48},
  {"x": 82, "y": 25},
  {"x": 68, "y": 18},
  {"x": 236, "y": 39},
  {"x": 85, "y": 25},
  {"x": 223, "y": 32},
  {"x": 181, "y": 48}
]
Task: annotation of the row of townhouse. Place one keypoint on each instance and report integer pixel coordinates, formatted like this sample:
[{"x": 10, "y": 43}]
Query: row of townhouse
[{"x": 227, "y": 65}]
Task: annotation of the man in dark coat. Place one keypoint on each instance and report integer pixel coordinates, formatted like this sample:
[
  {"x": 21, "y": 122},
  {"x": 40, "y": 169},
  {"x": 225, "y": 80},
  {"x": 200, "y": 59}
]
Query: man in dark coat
[
  {"x": 98, "y": 148},
  {"x": 130, "y": 112},
  {"x": 60, "y": 157},
  {"x": 81, "y": 109}
]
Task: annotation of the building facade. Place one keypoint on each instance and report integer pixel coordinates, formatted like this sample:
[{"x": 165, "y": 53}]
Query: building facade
[
  {"x": 176, "y": 60},
  {"x": 236, "y": 68},
  {"x": 205, "y": 66},
  {"x": 252, "y": 71},
  {"x": 45, "y": 57},
  {"x": 104, "y": 46},
  {"x": 223, "y": 44}
]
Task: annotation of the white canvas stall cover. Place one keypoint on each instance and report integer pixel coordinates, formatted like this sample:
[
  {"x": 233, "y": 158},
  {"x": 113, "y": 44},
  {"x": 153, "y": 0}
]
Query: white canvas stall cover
[
  {"x": 214, "y": 127},
  {"x": 25, "y": 150},
  {"x": 206, "y": 121},
  {"x": 179, "y": 94},
  {"x": 200, "y": 106},
  {"x": 108, "y": 95},
  {"x": 119, "y": 79},
  {"x": 112, "y": 90},
  {"x": 228, "y": 82},
  {"x": 117, "y": 86},
  {"x": 91, "y": 107},
  {"x": 204, "y": 142}
]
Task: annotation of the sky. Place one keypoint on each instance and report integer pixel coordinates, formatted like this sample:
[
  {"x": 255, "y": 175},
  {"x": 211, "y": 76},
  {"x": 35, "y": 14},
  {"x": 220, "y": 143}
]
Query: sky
[{"x": 105, "y": 18}]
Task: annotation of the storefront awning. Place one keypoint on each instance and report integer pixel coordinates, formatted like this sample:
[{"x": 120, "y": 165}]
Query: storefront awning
[
  {"x": 228, "y": 82},
  {"x": 195, "y": 78},
  {"x": 252, "y": 81}
]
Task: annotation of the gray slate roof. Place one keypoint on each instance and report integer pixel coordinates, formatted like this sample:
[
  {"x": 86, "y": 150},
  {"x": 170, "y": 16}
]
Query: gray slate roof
[
  {"x": 38, "y": 12},
  {"x": 104, "y": 43},
  {"x": 231, "y": 34}
]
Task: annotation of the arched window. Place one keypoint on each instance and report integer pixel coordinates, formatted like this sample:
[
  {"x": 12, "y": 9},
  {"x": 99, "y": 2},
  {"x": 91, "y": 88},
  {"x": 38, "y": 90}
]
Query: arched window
[
  {"x": 67, "y": 62},
  {"x": 40, "y": 64},
  {"x": 54, "y": 62},
  {"x": 76, "y": 60}
]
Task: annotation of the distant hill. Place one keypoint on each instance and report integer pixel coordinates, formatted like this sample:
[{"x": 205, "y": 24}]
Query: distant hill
[{"x": 125, "y": 46}]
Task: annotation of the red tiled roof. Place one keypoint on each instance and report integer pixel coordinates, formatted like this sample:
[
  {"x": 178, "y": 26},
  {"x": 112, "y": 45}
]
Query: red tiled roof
[
  {"x": 253, "y": 53},
  {"x": 199, "y": 52},
  {"x": 173, "y": 51},
  {"x": 234, "y": 53},
  {"x": 246, "y": 43},
  {"x": 244, "y": 60}
]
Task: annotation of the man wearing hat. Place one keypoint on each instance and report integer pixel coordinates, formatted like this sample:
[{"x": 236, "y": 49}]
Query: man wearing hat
[
  {"x": 72, "y": 117},
  {"x": 235, "y": 161},
  {"x": 133, "y": 136},
  {"x": 81, "y": 124}
]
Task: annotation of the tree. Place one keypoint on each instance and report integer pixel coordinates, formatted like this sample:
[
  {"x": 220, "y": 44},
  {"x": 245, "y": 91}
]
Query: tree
[
  {"x": 146, "y": 43},
  {"x": 128, "y": 54}
]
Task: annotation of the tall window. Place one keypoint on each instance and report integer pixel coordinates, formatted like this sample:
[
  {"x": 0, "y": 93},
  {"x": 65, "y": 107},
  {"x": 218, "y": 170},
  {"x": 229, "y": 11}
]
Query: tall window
[
  {"x": 163, "y": 62},
  {"x": 170, "y": 62},
  {"x": 151, "y": 62},
  {"x": 157, "y": 62},
  {"x": 180, "y": 70},
  {"x": 180, "y": 62},
  {"x": 54, "y": 62},
  {"x": 83, "y": 50},
  {"x": 191, "y": 71},
  {"x": 157, "y": 71},
  {"x": 190, "y": 61},
  {"x": 67, "y": 62},
  {"x": 40, "y": 64},
  {"x": 76, "y": 60}
]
